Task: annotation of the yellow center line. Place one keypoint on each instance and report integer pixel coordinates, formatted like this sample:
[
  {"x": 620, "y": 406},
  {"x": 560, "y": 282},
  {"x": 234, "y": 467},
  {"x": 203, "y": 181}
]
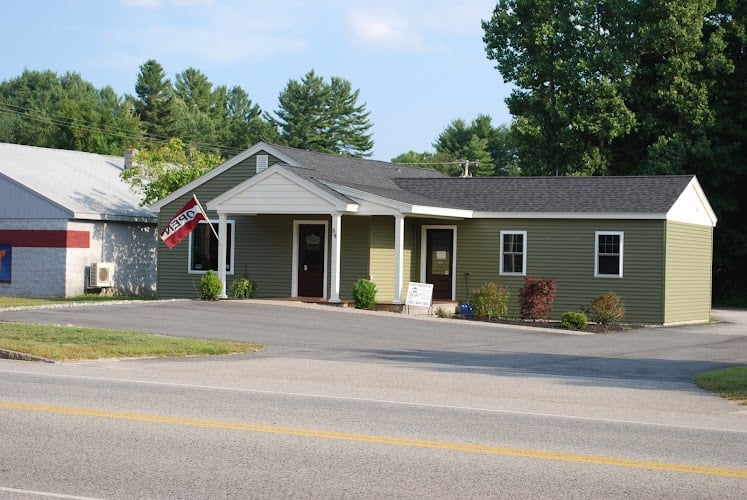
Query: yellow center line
[{"x": 388, "y": 440}]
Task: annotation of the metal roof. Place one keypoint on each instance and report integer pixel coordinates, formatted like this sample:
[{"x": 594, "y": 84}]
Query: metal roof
[{"x": 85, "y": 184}]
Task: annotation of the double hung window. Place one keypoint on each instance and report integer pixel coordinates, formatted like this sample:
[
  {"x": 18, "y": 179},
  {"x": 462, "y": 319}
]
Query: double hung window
[
  {"x": 513, "y": 253},
  {"x": 608, "y": 254}
]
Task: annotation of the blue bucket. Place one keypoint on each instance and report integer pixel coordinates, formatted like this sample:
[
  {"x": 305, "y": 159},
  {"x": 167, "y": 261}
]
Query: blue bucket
[{"x": 466, "y": 310}]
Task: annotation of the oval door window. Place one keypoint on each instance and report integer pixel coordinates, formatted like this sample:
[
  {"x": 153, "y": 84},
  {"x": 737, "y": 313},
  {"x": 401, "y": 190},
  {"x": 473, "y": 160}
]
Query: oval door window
[{"x": 313, "y": 241}]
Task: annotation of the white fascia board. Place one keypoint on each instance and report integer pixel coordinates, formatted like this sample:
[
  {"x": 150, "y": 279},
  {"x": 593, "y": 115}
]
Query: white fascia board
[
  {"x": 340, "y": 205},
  {"x": 389, "y": 206},
  {"x": 567, "y": 215},
  {"x": 692, "y": 207},
  {"x": 451, "y": 213},
  {"x": 187, "y": 189}
]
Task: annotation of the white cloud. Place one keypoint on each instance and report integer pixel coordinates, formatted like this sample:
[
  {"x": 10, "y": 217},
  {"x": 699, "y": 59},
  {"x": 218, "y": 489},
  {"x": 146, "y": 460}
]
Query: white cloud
[
  {"x": 230, "y": 31},
  {"x": 410, "y": 25},
  {"x": 384, "y": 30},
  {"x": 219, "y": 32}
]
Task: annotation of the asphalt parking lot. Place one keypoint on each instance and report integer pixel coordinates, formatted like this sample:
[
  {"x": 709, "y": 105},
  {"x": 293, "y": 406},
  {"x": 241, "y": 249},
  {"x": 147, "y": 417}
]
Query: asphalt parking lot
[{"x": 314, "y": 331}]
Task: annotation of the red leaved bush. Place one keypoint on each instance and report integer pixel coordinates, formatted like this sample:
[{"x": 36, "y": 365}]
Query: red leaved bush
[{"x": 537, "y": 297}]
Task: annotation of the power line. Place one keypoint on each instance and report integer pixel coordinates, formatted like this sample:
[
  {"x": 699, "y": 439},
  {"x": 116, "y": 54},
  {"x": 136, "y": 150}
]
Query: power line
[
  {"x": 458, "y": 162},
  {"x": 61, "y": 121}
]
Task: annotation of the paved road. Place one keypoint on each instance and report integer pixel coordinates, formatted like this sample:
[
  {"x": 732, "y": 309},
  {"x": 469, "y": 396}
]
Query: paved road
[{"x": 344, "y": 404}]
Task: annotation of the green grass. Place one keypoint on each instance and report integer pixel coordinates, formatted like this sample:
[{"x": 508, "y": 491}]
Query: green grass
[
  {"x": 6, "y": 302},
  {"x": 64, "y": 343},
  {"x": 730, "y": 383}
]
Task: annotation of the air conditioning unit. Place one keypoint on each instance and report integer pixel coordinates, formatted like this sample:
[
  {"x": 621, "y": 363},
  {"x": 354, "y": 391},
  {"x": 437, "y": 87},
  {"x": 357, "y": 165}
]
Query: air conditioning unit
[{"x": 101, "y": 275}]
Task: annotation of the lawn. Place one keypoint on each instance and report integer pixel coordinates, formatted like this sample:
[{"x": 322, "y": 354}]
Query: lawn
[
  {"x": 7, "y": 302},
  {"x": 730, "y": 383},
  {"x": 66, "y": 343}
]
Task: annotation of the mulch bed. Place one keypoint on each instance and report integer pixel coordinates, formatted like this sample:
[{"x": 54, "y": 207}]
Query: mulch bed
[{"x": 590, "y": 328}]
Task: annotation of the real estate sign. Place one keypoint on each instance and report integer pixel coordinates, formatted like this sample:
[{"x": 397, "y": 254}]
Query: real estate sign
[{"x": 419, "y": 294}]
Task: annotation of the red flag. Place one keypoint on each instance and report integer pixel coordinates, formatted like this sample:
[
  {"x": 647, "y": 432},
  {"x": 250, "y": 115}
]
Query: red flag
[{"x": 183, "y": 223}]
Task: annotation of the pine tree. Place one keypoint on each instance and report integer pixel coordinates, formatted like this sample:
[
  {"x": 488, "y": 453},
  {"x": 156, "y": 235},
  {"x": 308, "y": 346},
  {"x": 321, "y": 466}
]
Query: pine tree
[
  {"x": 325, "y": 117},
  {"x": 155, "y": 102}
]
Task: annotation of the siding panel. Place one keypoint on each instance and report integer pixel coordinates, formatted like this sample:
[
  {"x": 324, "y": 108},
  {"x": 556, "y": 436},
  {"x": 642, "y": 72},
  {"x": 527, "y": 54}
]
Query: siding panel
[
  {"x": 172, "y": 276},
  {"x": 688, "y": 272},
  {"x": 382, "y": 257},
  {"x": 264, "y": 251},
  {"x": 564, "y": 250},
  {"x": 354, "y": 264},
  {"x": 277, "y": 194}
]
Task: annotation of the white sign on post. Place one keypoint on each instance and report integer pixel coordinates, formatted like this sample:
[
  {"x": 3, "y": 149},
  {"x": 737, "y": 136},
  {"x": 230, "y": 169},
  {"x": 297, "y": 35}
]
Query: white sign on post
[{"x": 419, "y": 294}]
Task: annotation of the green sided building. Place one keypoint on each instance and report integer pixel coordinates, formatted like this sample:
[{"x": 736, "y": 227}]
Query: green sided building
[{"x": 305, "y": 224}]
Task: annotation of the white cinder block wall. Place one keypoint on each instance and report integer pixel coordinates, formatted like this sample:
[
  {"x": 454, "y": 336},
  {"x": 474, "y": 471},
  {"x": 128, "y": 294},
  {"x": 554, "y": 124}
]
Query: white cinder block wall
[
  {"x": 63, "y": 272},
  {"x": 132, "y": 249}
]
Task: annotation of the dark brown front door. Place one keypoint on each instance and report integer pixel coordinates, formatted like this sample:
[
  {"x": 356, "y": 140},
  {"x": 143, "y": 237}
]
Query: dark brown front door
[
  {"x": 311, "y": 260},
  {"x": 438, "y": 261}
]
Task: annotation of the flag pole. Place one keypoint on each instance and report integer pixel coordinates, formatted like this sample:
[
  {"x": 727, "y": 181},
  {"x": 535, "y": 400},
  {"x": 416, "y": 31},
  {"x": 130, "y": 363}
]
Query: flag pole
[{"x": 210, "y": 224}]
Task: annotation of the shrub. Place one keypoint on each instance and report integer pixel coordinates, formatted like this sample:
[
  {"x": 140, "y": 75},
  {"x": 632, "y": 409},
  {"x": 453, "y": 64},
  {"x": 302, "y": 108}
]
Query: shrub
[
  {"x": 537, "y": 297},
  {"x": 490, "y": 301},
  {"x": 210, "y": 286},
  {"x": 573, "y": 320},
  {"x": 244, "y": 288},
  {"x": 607, "y": 308},
  {"x": 442, "y": 313},
  {"x": 364, "y": 293}
]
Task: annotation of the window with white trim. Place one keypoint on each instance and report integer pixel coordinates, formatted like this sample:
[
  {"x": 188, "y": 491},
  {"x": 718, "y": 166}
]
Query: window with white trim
[
  {"x": 203, "y": 248},
  {"x": 513, "y": 253},
  {"x": 608, "y": 254}
]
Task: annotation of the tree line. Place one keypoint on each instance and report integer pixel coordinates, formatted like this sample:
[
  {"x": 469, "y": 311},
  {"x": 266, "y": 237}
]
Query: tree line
[{"x": 42, "y": 108}]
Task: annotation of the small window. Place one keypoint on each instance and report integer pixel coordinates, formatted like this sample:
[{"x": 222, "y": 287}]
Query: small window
[
  {"x": 262, "y": 162},
  {"x": 203, "y": 248},
  {"x": 513, "y": 253},
  {"x": 6, "y": 262},
  {"x": 608, "y": 254}
]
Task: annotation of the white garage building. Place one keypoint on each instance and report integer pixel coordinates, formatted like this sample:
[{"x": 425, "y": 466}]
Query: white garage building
[{"x": 64, "y": 214}]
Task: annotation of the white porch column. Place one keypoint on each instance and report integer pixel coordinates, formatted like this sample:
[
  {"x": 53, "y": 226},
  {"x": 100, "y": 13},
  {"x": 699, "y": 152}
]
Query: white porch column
[
  {"x": 334, "y": 294},
  {"x": 399, "y": 236},
  {"x": 222, "y": 238}
]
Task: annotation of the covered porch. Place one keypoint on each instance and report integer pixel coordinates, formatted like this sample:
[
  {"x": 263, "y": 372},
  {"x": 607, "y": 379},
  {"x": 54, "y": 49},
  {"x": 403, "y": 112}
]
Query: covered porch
[{"x": 339, "y": 234}]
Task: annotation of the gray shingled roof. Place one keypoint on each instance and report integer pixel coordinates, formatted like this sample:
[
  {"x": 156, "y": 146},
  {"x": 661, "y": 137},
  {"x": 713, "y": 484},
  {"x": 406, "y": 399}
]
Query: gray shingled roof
[
  {"x": 642, "y": 194},
  {"x": 86, "y": 184},
  {"x": 418, "y": 186},
  {"x": 371, "y": 176}
]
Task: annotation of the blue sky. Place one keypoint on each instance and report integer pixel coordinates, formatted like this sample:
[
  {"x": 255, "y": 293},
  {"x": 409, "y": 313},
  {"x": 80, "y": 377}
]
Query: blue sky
[{"x": 418, "y": 64}]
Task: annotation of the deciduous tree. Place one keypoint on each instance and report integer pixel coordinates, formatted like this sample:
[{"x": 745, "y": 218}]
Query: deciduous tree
[
  {"x": 159, "y": 171},
  {"x": 444, "y": 162},
  {"x": 41, "y": 108},
  {"x": 634, "y": 87},
  {"x": 485, "y": 147},
  {"x": 569, "y": 63}
]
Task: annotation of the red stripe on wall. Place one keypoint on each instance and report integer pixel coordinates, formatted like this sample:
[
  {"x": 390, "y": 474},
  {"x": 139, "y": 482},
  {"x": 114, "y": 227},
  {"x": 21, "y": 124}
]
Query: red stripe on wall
[{"x": 60, "y": 238}]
